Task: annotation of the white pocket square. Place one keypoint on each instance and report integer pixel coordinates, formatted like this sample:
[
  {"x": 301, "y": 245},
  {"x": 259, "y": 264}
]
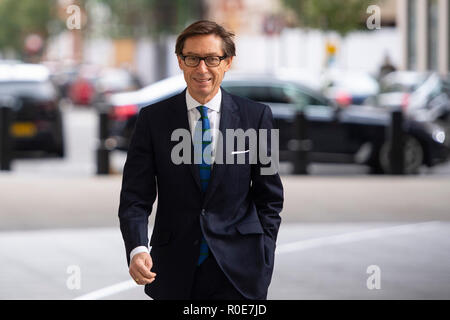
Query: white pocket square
[{"x": 238, "y": 152}]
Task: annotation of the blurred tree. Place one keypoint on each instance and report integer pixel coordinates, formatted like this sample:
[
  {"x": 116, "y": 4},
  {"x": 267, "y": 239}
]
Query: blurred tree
[
  {"x": 19, "y": 19},
  {"x": 151, "y": 17},
  {"x": 328, "y": 15}
]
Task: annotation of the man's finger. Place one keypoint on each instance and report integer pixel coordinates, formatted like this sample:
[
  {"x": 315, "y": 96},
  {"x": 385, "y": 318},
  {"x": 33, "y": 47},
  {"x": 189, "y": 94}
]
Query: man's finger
[
  {"x": 145, "y": 270},
  {"x": 141, "y": 273},
  {"x": 145, "y": 273}
]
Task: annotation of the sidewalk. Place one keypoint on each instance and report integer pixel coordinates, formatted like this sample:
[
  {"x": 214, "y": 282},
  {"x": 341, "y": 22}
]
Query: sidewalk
[{"x": 33, "y": 202}]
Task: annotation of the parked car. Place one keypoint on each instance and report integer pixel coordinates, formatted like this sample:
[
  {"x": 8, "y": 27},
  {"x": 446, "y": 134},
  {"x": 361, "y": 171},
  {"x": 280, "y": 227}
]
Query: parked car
[
  {"x": 125, "y": 106},
  {"x": 114, "y": 80},
  {"x": 396, "y": 89},
  {"x": 37, "y": 120},
  {"x": 357, "y": 134},
  {"x": 348, "y": 88},
  {"x": 427, "y": 97},
  {"x": 93, "y": 83}
]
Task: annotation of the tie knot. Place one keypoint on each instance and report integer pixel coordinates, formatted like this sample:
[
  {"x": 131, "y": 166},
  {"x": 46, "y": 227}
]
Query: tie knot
[{"x": 203, "y": 111}]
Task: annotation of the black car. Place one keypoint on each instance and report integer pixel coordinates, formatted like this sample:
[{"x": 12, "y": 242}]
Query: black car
[
  {"x": 37, "y": 124},
  {"x": 352, "y": 135}
]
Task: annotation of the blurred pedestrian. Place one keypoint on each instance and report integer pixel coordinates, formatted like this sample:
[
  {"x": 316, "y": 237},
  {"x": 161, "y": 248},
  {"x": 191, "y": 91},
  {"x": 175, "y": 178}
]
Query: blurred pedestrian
[
  {"x": 386, "y": 67},
  {"x": 216, "y": 223}
]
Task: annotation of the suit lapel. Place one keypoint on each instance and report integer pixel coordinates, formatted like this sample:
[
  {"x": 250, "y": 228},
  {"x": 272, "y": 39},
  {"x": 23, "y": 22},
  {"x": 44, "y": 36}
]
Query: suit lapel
[{"x": 229, "y": 119}]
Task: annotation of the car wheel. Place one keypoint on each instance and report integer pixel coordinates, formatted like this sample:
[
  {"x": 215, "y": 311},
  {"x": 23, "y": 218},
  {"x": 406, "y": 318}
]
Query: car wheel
[{"x": 413, "y": 156}]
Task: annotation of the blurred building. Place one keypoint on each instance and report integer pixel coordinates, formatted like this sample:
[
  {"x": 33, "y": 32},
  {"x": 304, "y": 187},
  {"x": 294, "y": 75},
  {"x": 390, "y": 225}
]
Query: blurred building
[
  {"x": 247, "y": 16},
  {"x": 425, "y": 29}
]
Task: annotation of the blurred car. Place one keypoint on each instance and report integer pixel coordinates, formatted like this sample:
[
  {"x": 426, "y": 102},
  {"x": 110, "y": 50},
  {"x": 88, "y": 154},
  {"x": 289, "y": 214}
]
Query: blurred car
[
  {"x": 63, "y": 78},
  {"x": 348, "y": 88},
  {"x": 81, "y": 90},
  {"x": 93, "y": 83},
  {"x": 396, "y": 89},
  {"x": 357, "y": 134},
  {"x": 114, "y": 80},
  {"x": 37, "y": 120},
  {"x": 431, "y": 98},
  {"x": 125, "y": 106}
]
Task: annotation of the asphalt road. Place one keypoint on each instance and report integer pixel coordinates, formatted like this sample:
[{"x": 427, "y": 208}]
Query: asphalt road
[{"x": 344, "y": 235}]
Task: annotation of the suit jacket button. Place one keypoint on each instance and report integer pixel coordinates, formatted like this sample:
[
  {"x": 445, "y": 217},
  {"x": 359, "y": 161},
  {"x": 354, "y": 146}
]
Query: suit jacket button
[{"x": 196, "y": 242}]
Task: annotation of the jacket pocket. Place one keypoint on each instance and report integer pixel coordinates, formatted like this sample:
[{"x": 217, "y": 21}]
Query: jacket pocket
[
  {"x": 253, "y": 227},
  {"x": 160, "y": 238}
]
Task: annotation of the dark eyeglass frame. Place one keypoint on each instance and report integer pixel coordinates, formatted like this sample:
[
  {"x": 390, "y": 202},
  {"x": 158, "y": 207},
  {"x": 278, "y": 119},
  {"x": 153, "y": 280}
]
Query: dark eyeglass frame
[{"x": 204, "y": 59}]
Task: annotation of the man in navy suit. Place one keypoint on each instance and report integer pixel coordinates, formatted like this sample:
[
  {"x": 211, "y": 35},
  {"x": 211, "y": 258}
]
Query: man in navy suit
[{"x": 216, "y": 222}]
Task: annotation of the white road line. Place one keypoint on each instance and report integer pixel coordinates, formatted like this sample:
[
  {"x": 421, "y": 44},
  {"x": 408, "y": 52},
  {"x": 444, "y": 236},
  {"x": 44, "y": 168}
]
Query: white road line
[
  {"x": 108, "y": 291},
  {"x": 354, "y": 236},
  {"x": 290, "y": 247}
]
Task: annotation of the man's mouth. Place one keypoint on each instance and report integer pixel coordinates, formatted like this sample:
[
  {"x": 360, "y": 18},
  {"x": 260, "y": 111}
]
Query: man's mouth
[{"x": 202, "y": 80}]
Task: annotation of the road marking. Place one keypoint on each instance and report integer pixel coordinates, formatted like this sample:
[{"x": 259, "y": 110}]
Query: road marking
[
  {"x": 290, "y": 247},
  {"x": 109, "y": 291},
  {"x": 354, "y": 236}
]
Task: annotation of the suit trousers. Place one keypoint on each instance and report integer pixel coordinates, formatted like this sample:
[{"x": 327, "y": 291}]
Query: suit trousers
[{"x": 210, "y": 283}]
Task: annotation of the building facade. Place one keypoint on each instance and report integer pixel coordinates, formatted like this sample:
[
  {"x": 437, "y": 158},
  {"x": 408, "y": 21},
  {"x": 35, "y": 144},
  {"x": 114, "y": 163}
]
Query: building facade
[{"x": 425, "y": 29}]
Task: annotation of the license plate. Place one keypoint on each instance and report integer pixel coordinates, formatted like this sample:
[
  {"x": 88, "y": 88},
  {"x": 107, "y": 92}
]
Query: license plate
[{"x": 23, "y": 129}]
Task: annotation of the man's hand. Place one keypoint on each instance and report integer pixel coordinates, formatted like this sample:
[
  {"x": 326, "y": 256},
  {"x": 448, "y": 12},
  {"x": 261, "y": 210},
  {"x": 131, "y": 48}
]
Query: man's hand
[{"x": 140, "y": 268}]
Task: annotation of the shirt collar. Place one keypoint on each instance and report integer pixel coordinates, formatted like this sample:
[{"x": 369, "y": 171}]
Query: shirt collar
[{"x": 213, "y": 104}]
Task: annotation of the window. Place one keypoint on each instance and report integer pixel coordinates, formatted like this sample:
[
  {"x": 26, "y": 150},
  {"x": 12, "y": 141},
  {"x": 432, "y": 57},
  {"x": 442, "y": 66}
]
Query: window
[{"x": 283, "y": 94}]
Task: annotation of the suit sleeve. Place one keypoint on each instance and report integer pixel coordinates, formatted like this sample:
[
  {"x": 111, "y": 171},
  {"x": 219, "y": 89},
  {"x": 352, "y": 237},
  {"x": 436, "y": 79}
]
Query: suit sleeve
[
  {"x": 267, "y": 189},
  {"x": 138, "y": 191}
]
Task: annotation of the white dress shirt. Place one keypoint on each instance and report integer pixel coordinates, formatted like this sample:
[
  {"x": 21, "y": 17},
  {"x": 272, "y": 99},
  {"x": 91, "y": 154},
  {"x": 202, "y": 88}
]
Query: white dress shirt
[{"x": 193, "y": 117}]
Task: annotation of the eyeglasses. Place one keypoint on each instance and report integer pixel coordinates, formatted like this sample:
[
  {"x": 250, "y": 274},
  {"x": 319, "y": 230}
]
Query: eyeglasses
[{"x": 211, "y": 61}]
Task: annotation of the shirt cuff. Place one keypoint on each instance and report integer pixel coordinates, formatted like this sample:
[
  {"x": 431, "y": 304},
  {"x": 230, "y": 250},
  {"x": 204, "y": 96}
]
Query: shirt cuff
[{"x": 137, "y": 250}]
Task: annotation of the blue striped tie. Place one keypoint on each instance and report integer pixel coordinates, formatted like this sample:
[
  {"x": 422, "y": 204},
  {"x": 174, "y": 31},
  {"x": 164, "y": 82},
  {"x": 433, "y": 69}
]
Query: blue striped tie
[{"x": 205, "y": 168}]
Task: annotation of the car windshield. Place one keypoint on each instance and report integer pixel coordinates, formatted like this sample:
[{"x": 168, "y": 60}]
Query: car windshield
[
  {"x": 401, "y": 85},
  {"x": 282, "y": 94},
  {"x": 429, "y": 89},
  {"x": 39, "y": 89}
]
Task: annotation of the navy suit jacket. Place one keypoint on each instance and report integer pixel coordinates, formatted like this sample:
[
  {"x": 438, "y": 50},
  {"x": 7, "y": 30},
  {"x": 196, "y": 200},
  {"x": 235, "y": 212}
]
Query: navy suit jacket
[{"x": 239, "y": 214}]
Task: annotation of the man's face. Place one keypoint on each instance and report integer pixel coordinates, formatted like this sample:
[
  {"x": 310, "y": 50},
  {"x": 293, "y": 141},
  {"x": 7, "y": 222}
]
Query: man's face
[{"x": 202, "y": 81}]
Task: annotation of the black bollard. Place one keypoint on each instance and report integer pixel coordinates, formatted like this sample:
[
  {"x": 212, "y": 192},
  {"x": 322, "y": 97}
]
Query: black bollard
[
  {"x": 397, "y": 144},
  {"x": 300, "y": 145},
  {"x": 5, "y": 138},
  {"x": 102, "y": 150}
]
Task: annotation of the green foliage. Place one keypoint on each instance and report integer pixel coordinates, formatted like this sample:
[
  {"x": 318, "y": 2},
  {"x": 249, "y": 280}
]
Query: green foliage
[
  {"x": 18, "y": 18},
  {"x": 342, "y": 16},
  {"x": 151, "y": 17}
]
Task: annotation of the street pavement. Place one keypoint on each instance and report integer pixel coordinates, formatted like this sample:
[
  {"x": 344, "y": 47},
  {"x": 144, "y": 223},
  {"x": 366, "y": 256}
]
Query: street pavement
[
  {"x": 344, "y": 234},
  {"x": 313, "y": 261}
]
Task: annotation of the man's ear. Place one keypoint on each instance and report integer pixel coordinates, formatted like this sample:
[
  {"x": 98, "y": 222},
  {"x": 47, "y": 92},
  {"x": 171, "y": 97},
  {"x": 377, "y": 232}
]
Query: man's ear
[
  {"x": 229, "y": 61},
  {"x": 180, "y": 61}
]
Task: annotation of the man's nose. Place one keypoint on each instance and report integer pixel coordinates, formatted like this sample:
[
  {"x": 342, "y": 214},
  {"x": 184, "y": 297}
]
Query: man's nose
[{"x": 202, "y": 67}]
